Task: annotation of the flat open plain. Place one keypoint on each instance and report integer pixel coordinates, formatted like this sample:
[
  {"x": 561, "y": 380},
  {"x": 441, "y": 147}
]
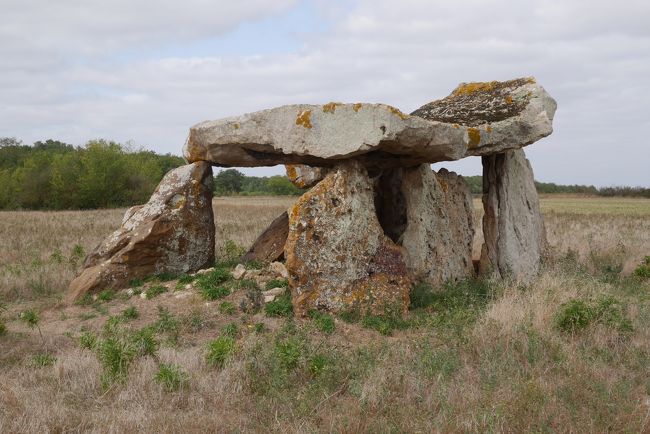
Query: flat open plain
[{"x": 568, "y": 353}]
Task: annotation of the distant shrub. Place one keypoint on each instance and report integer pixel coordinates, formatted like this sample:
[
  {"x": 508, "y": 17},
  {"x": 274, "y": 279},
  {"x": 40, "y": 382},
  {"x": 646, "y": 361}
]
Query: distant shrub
[
  {"x": 281, "y": 306},
  {"x": 171, "y": 377},
  {"x": 219, "y": 350},
  {"x": 643, "y": 270},
  {"x": 43, "y": 360}
]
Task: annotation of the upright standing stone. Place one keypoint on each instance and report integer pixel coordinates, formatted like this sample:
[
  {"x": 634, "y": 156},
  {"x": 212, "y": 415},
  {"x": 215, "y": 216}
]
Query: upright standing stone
[
  {"x": 173, "y": 232},
  {"x": 338, "y": 257},
  {"x": 440, "y": 229},
  {"x": 515, "y": 238}
]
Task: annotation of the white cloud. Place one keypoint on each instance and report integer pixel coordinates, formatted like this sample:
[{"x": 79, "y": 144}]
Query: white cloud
[{"x": 592, "y": 56}]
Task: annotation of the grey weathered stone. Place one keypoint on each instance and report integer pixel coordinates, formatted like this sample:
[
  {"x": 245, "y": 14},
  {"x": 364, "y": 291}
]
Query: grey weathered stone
[
  {"x": 513, "y": 228},
  {"x": 439, "y": 227},
  {"x": 338, "y": 257},
  {"x": 174, "y": 232},
  {"x": 378, "y": 135}
]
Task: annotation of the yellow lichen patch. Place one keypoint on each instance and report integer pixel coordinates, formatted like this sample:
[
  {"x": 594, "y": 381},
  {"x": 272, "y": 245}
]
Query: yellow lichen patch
[
  {"x": 304, "y": 119},
  {"x": 470, "y": 88},
  {"x": 474, "y": 137},
  {"x": 456, "y": 126},
  {"x": 397, "y": 112},
  {"x": 236, "y": 125},
  {"x": 531, "y": 80},
  {"x": 443, "y": 184},
  {"x": 488, "y": 129},
  {"x": 330, "y": 107},
  {"x": 292, "y": 173},
  {"x": 356, "y": 107},
  {"x": 509, "y": 99}
]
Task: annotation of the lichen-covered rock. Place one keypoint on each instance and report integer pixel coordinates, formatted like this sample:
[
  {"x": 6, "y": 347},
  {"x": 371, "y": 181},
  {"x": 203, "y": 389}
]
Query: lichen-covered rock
[
  {"x": 439, "y": 227},
  {"x": 338, "y": 257},
  {"x": 173, "y": 232},
  {"x": 513, "y": 228},
  {"x": 497, "y": 115},
  {"x": 303, "y": 176},
  {"x": 269, "y": 246},
  {"x": 482, "y": 118}
]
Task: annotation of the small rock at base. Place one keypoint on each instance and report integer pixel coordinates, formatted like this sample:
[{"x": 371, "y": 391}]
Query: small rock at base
[
  {"x": 269, "y": 298},
  {"x": 274, "y": 292},
  {"x": 238, "y": 272},
  {"x": 279, "y": 269}
]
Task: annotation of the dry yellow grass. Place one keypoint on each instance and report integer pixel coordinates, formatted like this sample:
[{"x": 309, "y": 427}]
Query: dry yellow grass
[{"x": 501, "y": 366}]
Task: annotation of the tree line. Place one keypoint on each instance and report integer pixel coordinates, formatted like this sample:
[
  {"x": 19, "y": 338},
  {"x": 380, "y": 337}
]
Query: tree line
[
  {"x": 476, "y": 187},
  {"x": 54, "y": 175}
]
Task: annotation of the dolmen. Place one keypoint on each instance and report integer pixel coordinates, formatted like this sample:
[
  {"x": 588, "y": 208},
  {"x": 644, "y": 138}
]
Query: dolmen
[{"x": 375, "y": 219}]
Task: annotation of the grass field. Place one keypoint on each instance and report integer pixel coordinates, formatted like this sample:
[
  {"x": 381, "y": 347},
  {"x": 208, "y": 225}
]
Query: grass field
[{"x": 568, "y": 353}]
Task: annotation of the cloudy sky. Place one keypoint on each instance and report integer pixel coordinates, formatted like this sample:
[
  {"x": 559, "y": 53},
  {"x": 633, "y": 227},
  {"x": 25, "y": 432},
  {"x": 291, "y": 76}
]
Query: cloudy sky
[{"x": 145, "y": 71}]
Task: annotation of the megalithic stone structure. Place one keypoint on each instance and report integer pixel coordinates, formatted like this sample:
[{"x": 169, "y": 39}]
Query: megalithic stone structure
[{"x": 377, "y": 218}]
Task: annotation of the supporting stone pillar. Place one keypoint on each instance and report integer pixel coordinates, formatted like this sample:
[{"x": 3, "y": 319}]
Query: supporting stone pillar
[
  {"x": 173, "y": 232},
  {"x": 338, "y": 256},
  {"x": 513, "y": 228},
  {"x": 439, "y": 225}
]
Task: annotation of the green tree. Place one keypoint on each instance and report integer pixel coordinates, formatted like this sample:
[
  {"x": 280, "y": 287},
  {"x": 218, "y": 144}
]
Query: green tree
[{"x": 228, "y": 181}]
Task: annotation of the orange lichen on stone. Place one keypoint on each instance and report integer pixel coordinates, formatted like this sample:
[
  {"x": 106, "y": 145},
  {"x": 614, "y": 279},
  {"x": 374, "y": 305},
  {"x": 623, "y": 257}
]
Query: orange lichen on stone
[
  {"x": 356, "y": 107},
  {"x": 474, "y": 136},
  {"x": 456, "y": 126},
  {"x": 509, "y": 99},
  {"x": 397, "y": 112},
  {"x": 330, "y": 107},
  {"x": 236, "y": 125},
  {"x": 304, "y": 119},
  {"x": 470, "y": 88},
  {"x": 292, "y": 173},
  {"x": 488, "y": 129}
]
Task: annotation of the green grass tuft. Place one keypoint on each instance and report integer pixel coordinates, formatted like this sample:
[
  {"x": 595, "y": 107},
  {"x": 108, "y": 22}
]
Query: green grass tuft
[
  {"x": 280, "y": 307},
  {"x": 171, "y": 377},
  {"x": 219, "y": 350}
]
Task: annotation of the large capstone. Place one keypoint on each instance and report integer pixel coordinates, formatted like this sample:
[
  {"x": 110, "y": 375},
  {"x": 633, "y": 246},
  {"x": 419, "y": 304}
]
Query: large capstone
[
  {"x": 439, "y": 228},
  {"x": 338, "y": 256},
  {"x": 513, "y": 228},
  {"x": 172, "y": 233},
  {"x": 481, "y": 118}
]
